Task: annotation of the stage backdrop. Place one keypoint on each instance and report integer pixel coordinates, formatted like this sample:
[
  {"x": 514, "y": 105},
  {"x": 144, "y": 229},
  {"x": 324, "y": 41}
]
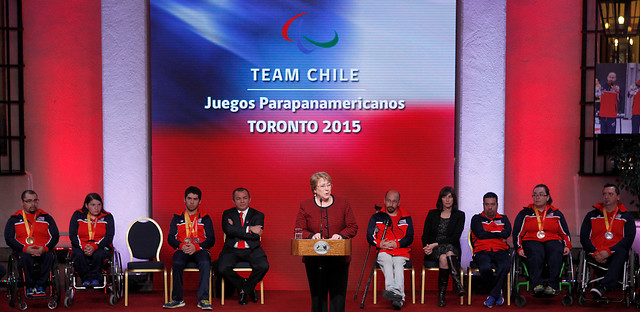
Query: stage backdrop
[{"x": 262, "y": 94}]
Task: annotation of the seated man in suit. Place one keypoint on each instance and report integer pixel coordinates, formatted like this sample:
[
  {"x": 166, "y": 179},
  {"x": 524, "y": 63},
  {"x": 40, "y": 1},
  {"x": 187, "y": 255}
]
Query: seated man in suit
[{"x": 243, "y": 228}]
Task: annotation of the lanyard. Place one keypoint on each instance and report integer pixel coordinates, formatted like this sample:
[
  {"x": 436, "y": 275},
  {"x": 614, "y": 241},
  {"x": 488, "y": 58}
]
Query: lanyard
[
  {"x": 540, "y": 222},
  {"x": 607, "y": 225},
  {"x": 91, "y": 225},
  {"x": 191, "y": 229},
  {"x": 29, "y": 229}
]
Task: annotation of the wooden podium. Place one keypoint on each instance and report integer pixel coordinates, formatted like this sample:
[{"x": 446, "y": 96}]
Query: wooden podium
[{"x": 321, "y": 247}]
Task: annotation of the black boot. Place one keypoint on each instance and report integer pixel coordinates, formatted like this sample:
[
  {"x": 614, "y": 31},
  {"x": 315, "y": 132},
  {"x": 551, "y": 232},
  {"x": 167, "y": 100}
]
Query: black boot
[
  {"x": 443, "y": 280},
  {"x": 454, "y": 266}
]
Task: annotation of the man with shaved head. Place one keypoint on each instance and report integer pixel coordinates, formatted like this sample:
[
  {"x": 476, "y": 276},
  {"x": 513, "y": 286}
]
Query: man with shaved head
[{"x": 394, "y": 246}]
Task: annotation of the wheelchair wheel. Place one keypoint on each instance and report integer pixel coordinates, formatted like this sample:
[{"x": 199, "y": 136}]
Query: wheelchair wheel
[
  {"x": 22, "y": 305},
  {"x": 520, "y": 300},
  {"x": 117, "y": 277},
  {"x": 68, "y": 301},
  {"x": 113, "y": 300},
  {"x": 567, "y": 300},
  {"x": 582, "y": 300},
  {"x": 52, "y": 304}
]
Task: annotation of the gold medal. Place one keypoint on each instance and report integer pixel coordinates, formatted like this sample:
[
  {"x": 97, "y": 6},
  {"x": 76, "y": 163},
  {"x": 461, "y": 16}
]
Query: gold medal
[
  {"x": 196, "y": 240},
  {"x": 187, "y": 240},
  {"x": 608, "y": 235},
  {"x": 540, "y": 234},
  {"x": 29, "y": 229}
]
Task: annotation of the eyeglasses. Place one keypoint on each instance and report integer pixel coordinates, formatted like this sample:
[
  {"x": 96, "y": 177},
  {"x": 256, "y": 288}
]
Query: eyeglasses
[
  {"x": 539, "y": 195},
  {"x": 29, "y": 201},
  {"x": 328, "y": 185}
]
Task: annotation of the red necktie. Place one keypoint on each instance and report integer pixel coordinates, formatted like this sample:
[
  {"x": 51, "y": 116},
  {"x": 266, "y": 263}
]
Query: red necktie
[{"x": 241, "y": 243}]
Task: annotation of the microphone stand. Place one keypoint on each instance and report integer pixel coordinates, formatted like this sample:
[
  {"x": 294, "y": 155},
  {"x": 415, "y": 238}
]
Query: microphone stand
[{"x": 373, "y": 266}]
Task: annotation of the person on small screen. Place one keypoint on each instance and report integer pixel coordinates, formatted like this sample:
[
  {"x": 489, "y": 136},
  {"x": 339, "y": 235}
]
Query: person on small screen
[
  {"x": 441, "y": 240},
  {"x": 32, "y": 234},
  {"x": 609, "y": 102},
  {"x": 191, "y": 235},
  {"x": 607, "y": 234},
  {"x": 489, "y": 233},
  {"x": 394, "y": 247},
  {"x": 326, "y": 216},
  {"x": 635, "y": 109},
  {"x": 541, "y": 235},
  {"x": 243, "y": 227},
  {"x": 91, "y": 231}
]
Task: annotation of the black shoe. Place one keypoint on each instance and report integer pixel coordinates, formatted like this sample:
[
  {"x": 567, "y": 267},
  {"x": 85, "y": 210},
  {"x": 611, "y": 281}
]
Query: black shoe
[
  {"x": 397, "y": 305},
  {"x": 253, "y": 295},
  {"x": 598, "y": 292},
  {"x": 242, "y": 298}
]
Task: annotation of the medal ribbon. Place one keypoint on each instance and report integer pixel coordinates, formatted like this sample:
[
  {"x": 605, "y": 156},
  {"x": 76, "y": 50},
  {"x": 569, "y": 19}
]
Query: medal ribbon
[
  {"x": 91, "y": 225},
  {"x": 607, "y": 225},
  {"x": 28, "y": 228},
  {"x": 540, "y": 222},
  {"x": 190, "y": 228}
]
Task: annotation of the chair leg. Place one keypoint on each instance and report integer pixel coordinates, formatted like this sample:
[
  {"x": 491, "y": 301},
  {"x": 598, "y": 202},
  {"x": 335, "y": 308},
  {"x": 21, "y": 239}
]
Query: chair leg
[
  {"x": 262, "y": 292},
  {"x": 462, "y": 280},
  {"x": 375, "y": 286},
  {"x": 422, "y": 295},
  {"x": 166, "y": 298},
  {"x": 171, "y": 283},
  {"x": 210, "y": 287},
  {"x": 222, "y": 291},
  {"x": 469, "y": 286},
  {"x": 509, "y": 288},
  {"x": 413, "y": 285},
  {"x": 126, "y": 288}
]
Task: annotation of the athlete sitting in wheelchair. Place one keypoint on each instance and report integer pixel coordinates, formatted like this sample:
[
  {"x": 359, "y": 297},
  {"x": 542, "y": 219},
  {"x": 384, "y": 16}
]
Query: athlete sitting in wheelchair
[
  {"x": 92, "y": 257},
  {"x": 91, "y": 231},
  {"x": 541, "y": 236},
  {"x": 607, "y": 234},
  {"x": 32, "y": 234}
]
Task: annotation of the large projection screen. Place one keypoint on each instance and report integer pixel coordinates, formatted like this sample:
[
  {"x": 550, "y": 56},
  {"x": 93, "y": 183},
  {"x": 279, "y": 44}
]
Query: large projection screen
[{"x": 262, "y": 94}]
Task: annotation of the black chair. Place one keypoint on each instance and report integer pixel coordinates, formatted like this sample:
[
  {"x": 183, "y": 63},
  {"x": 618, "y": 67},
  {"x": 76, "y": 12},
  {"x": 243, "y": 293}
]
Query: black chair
[{"x": 144, "y": 240}]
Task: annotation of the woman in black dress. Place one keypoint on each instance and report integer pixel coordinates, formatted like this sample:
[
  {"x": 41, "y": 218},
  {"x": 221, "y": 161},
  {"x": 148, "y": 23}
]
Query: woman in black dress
[{"x": 441, "y": 240}]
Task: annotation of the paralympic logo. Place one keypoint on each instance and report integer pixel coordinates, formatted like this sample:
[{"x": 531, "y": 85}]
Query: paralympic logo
[{"x": 285, "y": 35}]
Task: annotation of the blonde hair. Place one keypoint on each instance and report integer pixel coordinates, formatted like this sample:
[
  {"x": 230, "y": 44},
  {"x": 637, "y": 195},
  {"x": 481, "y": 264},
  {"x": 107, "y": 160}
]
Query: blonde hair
[{"x": 316, "y": 177}]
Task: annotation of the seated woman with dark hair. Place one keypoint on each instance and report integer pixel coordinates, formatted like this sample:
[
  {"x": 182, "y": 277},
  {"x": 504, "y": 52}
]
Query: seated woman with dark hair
[
  {"x": 541, "y": 234},
  {"x": 91, "y": 231},
  {"x": 441, "y": 240}
]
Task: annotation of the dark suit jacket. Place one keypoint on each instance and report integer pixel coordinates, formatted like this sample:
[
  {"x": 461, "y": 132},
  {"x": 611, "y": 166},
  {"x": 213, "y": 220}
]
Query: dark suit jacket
[{"x": 237, "y": 232}]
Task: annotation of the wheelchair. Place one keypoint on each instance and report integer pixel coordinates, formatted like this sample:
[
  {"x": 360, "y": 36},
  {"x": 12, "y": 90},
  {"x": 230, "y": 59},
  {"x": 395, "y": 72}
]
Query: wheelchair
[
  {"x": 590, "y": 272},
  {"x": 520, "y": 278},
  {"x": 17, "y": 290},
  {"x": 112, "y": 278}
]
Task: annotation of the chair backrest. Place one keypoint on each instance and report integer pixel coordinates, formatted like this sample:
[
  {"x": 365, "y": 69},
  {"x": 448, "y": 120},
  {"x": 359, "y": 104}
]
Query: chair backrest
[
  {"x": 469, "y": 240},
  {"x": 144, "y": 239}
]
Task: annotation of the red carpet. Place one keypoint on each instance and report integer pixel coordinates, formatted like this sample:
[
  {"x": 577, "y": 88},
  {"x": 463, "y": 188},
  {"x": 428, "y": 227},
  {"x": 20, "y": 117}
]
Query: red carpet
[{"x": 293, "y": 301}]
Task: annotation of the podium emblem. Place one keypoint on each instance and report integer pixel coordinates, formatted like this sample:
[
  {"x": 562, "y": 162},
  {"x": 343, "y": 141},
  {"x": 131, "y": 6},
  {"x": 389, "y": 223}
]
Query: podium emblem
[{"x": 321, "y": 247}]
